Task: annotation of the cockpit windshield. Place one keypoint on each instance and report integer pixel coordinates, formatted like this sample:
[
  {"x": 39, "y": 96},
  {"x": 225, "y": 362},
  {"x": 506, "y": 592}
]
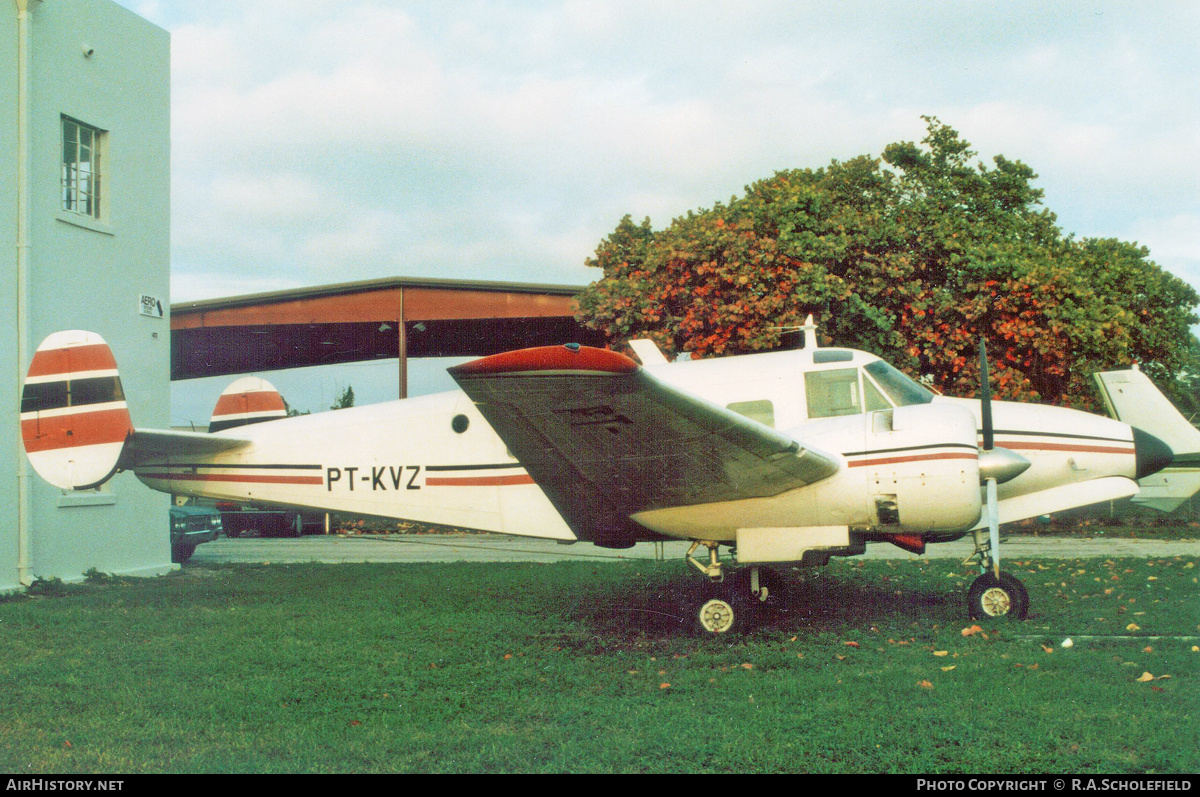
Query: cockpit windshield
[{"x": 901, "y": 389}]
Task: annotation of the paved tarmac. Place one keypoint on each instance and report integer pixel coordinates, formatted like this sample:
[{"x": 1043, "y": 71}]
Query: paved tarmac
[{"x": 499, "y": 548}]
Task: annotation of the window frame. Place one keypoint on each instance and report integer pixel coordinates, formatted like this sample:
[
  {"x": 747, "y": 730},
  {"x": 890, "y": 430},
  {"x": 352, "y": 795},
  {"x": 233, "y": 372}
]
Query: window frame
[{"x": 83, "y": 183}]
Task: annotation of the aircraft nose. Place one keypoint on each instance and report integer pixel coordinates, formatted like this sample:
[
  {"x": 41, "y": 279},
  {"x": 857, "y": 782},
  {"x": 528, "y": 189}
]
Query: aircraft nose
[{"x": 1152, "y": 454}]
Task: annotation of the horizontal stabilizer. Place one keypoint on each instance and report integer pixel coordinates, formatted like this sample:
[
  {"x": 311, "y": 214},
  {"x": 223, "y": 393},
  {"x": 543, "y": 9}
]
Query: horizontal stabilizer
[
  {"x": 157, "y": 445},
  {"x": 75, "y": 423}
]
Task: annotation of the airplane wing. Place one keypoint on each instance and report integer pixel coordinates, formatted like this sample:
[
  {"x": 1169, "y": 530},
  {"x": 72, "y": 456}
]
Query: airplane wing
[{"x": 604, "y": 439}]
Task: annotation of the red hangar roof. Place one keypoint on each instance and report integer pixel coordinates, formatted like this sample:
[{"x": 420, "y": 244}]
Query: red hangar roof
[{"x": 399, "y": 317}]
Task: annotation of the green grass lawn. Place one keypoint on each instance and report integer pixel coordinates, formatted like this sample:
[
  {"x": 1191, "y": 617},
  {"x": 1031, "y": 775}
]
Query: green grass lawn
[{"x": 581, "y": 667}]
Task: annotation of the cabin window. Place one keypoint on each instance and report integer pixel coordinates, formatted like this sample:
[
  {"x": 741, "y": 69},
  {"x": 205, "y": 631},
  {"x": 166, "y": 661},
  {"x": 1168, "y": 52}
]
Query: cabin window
[
  {"x": 875, "y": 399},
  {"x": 832, "y": 393},
  {"x": 762, "y": 411},
  {"x": 900, "y": 388}
]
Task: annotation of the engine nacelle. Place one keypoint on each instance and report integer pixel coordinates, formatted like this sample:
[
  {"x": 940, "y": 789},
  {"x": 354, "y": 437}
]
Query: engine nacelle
[{"x": 923, "y": 463}]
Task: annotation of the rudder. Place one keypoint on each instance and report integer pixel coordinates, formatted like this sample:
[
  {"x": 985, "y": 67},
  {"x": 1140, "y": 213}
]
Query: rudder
[
  {"x": 250, "y": 399},
  {"x": 74, "y": 418}
]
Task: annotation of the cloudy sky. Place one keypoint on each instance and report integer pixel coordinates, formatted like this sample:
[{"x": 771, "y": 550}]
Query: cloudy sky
[{"x": 318, "y": 142}]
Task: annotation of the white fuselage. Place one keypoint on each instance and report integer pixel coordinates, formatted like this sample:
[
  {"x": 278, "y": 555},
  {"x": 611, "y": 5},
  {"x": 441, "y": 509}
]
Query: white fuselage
[{"x": 910, "y": 462}]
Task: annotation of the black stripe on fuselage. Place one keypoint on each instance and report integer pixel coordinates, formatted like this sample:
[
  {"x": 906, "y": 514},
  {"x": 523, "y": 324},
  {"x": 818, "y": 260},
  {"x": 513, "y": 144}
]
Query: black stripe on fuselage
[
  {"x": 474, "y": 467},
  {"x": 925, "y": 447},
  {"x": 211, "y": 465},
  {"x": 1063, "y": 435}
]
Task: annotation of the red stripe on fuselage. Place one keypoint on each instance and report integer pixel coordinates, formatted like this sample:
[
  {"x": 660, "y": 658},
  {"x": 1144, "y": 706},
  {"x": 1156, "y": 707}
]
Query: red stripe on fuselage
[
  {"x": 1026, "y": 446},
  {"x": 72, "y": 359},
  {"x": 74, "y": 430},
  {"x": 477, "y": 481},
  {"x": 908, "y": 458},
  {"x": 239, "y": 478}
]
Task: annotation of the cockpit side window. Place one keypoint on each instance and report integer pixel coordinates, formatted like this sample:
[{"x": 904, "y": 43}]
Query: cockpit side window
[
  {"x": 832, "y": 393},
  {"x": 875, "y": 399},
  {"x": 900, "y": 389}
]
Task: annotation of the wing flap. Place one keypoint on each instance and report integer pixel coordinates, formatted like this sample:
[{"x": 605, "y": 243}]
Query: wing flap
[{"x": 605, "y": 439}]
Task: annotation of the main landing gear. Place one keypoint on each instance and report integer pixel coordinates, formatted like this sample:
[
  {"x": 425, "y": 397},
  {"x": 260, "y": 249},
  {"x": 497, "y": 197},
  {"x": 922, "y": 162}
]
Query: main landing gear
[
  {"x": 732, "y": 602},
  {"x": 995, "y": 594}
]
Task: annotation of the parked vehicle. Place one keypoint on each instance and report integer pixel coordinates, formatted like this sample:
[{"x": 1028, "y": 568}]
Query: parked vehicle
[
  {"x": 238, "y": 520},
  {"x": 190, "y": 526}
]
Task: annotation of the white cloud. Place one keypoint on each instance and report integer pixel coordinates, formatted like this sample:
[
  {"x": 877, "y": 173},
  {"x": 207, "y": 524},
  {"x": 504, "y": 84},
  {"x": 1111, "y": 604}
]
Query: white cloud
[{"x": 506, "y": 139}]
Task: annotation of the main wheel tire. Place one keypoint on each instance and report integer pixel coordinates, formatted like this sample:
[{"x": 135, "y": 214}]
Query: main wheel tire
[
  {"x": 725, "y": 609},
  {"x": 991, "y": 598}
]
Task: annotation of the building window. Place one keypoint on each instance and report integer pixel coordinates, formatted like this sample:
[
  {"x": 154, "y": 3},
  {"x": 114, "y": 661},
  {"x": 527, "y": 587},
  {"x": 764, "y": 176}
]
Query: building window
[{"x": 82, "y": 174}]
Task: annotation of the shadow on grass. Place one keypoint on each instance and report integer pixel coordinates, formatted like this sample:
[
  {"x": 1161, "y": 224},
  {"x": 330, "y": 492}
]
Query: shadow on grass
[{"x": 814, "y": 600}]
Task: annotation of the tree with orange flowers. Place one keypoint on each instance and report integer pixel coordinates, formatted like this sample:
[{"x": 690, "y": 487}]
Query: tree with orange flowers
[{"x": 913, "y": 256}]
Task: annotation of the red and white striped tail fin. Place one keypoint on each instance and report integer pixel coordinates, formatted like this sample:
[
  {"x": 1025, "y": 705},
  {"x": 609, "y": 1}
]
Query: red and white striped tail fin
[
  {"x": 248, "y": 400},
  {"x": 74, "y": 419}
]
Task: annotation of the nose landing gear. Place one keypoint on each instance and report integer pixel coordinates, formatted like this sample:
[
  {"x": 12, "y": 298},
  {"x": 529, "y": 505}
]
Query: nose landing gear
[{"x": 995, "y": 594}]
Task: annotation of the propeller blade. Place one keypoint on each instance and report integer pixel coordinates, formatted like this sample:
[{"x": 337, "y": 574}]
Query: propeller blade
[{"x": 985, "y": 397}]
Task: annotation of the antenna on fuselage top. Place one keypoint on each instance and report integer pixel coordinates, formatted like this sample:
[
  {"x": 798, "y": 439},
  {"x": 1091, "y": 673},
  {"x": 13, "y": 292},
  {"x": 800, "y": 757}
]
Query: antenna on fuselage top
[{"x": 810, "y": 333}]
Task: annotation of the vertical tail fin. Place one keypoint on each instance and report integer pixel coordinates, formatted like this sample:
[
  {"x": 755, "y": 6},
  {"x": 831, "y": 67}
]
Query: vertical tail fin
[
  {"x": 74, "y": 419},
  {"x": 248, "y": 400}
]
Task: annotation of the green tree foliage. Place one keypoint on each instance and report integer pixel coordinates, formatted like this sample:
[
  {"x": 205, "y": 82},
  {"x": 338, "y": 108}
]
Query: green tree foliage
[
  {"x": 346, "y": 399},
  {"x": 913, "y": 256}
]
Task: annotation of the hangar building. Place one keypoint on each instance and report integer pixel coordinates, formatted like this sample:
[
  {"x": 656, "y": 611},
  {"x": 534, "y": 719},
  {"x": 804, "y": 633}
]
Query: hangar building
[{"x": 85, "y": 235}]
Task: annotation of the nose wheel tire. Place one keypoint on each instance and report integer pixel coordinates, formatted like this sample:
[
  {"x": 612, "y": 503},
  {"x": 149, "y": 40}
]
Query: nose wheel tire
[{"x": 991, "y": 598}]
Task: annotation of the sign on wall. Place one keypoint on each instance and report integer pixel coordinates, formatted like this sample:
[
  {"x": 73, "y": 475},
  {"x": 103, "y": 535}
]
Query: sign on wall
[{"x": 150, "y": 306}]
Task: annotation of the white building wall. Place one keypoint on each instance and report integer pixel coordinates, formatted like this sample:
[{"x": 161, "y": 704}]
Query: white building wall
[
  {"x": 10, "y": 360},
  {"x": 89, "y": 274}
]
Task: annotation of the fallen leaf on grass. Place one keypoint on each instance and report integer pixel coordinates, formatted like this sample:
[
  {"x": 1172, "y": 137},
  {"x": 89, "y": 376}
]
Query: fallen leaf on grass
[
  {"x": 1048, "y": 650},
  {"x": 1146, "y": 676},
  {"x": 747, "y": 666},
  {"x": 851, "y": 644},
  {"x": 941, "y": 653},
  {"x": 1133, "y": 627},
  {"x": 972, "y": 631},
  {"x": 948, "y": 669},
  {"x": 925, "y": 684},
  {"x": 664, "y": 686}
]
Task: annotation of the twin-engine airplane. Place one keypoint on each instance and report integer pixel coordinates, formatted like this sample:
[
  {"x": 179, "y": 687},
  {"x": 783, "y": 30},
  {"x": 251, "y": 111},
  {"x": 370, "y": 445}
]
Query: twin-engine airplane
[{"x": 789, "y": 456}]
